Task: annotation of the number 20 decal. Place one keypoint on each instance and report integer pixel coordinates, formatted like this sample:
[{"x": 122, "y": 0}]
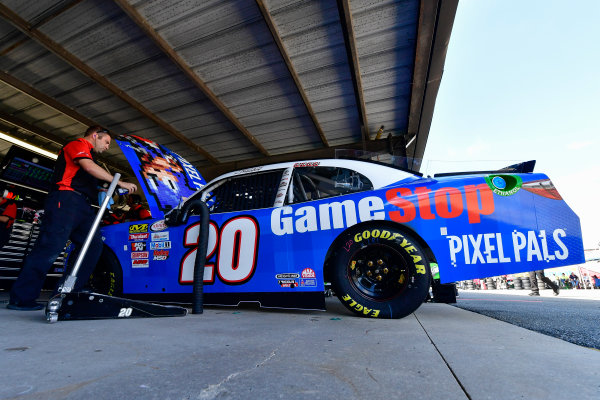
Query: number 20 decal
[{"x": 236, "y": 246}]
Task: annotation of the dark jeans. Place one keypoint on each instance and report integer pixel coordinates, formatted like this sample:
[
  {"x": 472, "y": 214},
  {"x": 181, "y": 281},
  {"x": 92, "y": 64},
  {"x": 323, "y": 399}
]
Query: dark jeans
[
  {"x": 542, "y": 277},
  {"x": 67, "y": 215}
]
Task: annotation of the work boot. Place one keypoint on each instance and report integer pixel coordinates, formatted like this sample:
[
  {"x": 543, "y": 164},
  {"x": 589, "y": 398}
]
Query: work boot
[
  {"x": 534, "y": 293},
  {"x": 32, "y": 306},
  {"x": 556, "y": 290}
]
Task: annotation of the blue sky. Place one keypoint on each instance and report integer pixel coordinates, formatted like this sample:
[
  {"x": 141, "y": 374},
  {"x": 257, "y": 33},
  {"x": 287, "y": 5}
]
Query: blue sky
[{"x": 522, "y": 82}]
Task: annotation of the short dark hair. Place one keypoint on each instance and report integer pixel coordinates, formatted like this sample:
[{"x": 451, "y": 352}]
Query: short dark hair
[{"x": 97, "y": 129}]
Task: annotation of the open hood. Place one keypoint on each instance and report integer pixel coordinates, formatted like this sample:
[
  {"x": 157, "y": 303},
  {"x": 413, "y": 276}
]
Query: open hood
[{"x": 165, "y": 177}]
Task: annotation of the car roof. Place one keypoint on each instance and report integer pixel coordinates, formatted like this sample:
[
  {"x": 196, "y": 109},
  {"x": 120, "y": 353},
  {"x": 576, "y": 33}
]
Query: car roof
[{"x": 379, "y": 174}]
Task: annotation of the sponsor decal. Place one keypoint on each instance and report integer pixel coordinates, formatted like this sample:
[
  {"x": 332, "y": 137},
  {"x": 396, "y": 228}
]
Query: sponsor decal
[
  {"x": 138, "y": 236},
  {"x": 307, "y": 164},
  {"x": 308, "y": 282},
  {"x": 160, "y": 255},
  {"x": 140, "y": 263},
  {"x": 379, "y": 235},
  {"x": 308, "y": 273},
  {"x": 289, "y": 275},
  {"x": 504, "y": 185},
  {"x": 160, "y": 236},
  {"x": 288, "y": 283},
  {"x": 138, "y": 228},
  {"x": 334, "y": 215},
  {"x": 160, "y": 245},
  {"x": 477, "y": 200},
  {"x": 138, "y": 246},
  {"x": 248, "y": 170},
  {"x": 370, "y": 312},
  {"x": 139, "y": 255},
  {"x": 494, "y": 248},
  {"x": 158, "y": 226}
]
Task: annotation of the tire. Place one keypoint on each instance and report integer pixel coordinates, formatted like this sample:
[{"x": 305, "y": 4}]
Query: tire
[
  {"x": 107, "y": 278},
  {"x": 381, "y": 272}
]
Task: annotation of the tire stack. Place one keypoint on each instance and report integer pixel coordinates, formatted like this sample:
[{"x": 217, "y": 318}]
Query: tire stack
[
  {"x": 470, "y": 285},
  {"x": 490, "y": 283},
  {"x": 517, "y": 283},
  {"x": 526, "y": 283}
]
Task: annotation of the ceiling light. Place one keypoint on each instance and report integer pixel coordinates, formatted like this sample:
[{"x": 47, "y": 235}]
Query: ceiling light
[{"x": 27, "y": 146}]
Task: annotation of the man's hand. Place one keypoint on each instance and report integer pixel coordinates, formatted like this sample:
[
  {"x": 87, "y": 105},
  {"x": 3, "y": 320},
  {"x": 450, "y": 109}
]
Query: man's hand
[{"x": 130, "y": 187}]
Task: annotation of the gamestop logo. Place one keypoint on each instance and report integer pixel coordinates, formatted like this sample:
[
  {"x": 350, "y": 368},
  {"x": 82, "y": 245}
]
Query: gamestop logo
[{"x": 308, "y": 273}]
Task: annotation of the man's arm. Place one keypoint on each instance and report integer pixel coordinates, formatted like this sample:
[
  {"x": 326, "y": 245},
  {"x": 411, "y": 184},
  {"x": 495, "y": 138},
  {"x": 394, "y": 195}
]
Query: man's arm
[{"x": 98, "y": 172}]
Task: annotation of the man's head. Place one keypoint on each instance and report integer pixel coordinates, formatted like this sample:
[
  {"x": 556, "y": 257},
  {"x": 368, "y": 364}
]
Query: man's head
[{"x": 98, "y": 137}]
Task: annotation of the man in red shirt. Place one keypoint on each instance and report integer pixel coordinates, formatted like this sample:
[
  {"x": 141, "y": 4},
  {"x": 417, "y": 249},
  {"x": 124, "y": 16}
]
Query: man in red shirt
[
  {"x": 8, "y": 213},
  {"x": 68, "y": 214}
]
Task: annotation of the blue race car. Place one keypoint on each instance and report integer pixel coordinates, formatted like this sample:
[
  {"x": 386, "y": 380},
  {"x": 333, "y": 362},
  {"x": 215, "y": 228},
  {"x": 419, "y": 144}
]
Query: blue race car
[{"x": 277, "y": 233}]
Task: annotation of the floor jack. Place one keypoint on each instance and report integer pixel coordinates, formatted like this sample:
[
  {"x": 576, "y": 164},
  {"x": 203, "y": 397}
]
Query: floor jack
[{"x": 69, "y": 305}]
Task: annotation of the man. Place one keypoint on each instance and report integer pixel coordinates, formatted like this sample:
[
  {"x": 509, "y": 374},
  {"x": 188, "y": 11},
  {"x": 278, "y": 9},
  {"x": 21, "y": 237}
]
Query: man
[
  {"x": 8, "y": 213},
  {"x": 535, "y": 291},
  {"x": 68, "y": 214}
]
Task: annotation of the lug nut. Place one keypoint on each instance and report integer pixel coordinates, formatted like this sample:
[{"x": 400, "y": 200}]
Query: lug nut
[
  {"x": 369, "y": 273},
  {"x": 385, "y": 270},
  {"x": 379, "y": 262},
  {"x": 370, "y": 264},
  {"x": 379, "y": 277}
]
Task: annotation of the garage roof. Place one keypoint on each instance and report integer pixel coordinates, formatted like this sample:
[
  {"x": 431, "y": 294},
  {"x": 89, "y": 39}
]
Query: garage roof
[{"x": 224, "y": 83}]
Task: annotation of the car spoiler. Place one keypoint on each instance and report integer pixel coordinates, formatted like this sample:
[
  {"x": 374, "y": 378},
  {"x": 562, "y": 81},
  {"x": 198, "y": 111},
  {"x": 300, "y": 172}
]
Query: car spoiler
[{"x": 520, "y": 168}]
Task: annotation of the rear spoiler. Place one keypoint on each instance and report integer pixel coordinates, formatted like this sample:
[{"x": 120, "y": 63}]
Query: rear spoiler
[{"x": 521, "y": 168}]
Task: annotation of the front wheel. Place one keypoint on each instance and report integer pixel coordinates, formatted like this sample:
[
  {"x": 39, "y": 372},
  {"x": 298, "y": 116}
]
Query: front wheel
[
  {"x": 380, "y": 272},
  {"x": 107, "y": 278}
]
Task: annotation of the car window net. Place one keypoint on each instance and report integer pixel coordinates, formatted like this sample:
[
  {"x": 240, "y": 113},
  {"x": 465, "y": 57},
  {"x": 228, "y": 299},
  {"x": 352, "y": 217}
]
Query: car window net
[{"x": 246, "y": 192}]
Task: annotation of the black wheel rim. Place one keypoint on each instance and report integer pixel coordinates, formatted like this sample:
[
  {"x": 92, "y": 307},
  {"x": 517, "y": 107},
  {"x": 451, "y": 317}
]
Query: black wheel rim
[
  {"x": 378, "y": 272},
  {"x": 101, "y": 281}
]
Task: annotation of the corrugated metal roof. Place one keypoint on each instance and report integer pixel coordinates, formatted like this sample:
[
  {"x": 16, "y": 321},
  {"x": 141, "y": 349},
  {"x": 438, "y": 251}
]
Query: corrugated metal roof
[{"x": 225, "y": 82}]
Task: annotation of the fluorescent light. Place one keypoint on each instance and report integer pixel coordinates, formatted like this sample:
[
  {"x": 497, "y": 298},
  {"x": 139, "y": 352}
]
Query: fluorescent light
[{"x": 27, "y": 146}]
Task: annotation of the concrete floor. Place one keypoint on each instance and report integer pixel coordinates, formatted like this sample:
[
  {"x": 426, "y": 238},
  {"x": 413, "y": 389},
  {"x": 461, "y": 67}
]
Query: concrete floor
[{"x": 244, "y": 353}]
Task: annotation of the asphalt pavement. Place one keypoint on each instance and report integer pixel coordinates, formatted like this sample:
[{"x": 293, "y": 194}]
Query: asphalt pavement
[
  {"x": 440, "y": 351},
  {"x": 573, "y": 315}
]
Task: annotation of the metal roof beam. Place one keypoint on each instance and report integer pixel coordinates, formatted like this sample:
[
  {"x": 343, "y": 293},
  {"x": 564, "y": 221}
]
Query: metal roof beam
[
  {"x": 42, "y": 98},
  {"x": 59, "y": 9},
  {"x": 182, "y": 65},
  {"x": 20, "y": 124},
  {"x": 435, "y": 26},
  {"x": 60, "y": 51},
  {"x": 288, "y": 62},
  {"x": 350, "y": 42}
]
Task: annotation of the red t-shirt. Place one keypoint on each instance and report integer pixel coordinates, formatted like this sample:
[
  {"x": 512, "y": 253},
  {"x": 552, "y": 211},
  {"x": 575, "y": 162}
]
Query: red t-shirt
[
  {"x": 68, "y": 175},
  {"x": 8, "y": 209}
]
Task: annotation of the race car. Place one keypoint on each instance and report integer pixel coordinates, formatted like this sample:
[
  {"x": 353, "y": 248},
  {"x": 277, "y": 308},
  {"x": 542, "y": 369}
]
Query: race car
[{"x": 278, "y": 232}]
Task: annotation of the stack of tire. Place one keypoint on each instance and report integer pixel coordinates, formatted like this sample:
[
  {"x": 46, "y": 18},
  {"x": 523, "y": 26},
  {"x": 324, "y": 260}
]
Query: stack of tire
[
  {"x": 526, "y": 283},
  {"x": 470, "y": 285},
  {"x": 517, "y": 283},
  {"x": 490, "y": 283}
]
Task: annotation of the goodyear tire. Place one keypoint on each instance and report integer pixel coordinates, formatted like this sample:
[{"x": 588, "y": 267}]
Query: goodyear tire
[
  {"x": 380, "y": 272},
  {"x": 107, "y": 278}
]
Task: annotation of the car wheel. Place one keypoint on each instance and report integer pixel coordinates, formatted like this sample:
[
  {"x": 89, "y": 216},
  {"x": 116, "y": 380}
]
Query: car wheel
[
  {"x": 380, "y": 272},
  {"x": 107, "y": 278}
]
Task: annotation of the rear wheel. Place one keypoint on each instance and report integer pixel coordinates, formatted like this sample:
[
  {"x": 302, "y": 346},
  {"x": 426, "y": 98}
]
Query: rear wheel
[{"x": 380, "y": 272}]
